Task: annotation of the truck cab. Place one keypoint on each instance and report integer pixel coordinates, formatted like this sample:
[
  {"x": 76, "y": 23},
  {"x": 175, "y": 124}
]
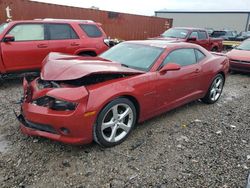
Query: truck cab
[{"x": 193, "y": 35}]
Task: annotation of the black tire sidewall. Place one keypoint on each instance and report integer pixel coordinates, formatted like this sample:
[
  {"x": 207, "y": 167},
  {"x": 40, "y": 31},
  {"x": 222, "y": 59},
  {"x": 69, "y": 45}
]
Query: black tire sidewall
[
  {"x": 97, "y": 130},
  {"x": 207, "y": 98}
]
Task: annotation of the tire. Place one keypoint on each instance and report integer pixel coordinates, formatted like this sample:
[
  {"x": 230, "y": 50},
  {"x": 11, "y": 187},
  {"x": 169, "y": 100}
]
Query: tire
[
  {"x": 1, "y": 80},
  {"x": 214, "y": 49},
  {"x": 215, "y": 90},
  {"x": 115, "y": 122}
]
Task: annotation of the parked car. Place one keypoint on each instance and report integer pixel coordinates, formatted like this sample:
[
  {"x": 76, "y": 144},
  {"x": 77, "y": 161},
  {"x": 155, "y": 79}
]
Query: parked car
[
  {"x": 243, "y": 36},
  {"x": 78, "y": 100},
  {"x": 192, "y": 35},
  {"x": 24, "y": 44},
  {"x": 240, "y": 57},
  {"x": 224, "y": 34}
]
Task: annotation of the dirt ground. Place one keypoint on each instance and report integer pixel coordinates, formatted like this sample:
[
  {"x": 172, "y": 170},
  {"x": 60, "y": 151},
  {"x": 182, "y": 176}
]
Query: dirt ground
[{"x": 197, "y": 145}]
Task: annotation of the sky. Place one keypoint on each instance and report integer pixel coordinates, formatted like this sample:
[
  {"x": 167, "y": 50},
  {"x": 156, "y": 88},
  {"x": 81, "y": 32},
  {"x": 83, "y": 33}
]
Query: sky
[{"x": 147, "y": 7}]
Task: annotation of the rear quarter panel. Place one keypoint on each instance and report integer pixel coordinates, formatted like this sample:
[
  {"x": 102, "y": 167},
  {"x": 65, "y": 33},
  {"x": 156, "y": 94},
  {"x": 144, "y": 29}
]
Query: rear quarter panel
[{"x": 214, "y": 65}]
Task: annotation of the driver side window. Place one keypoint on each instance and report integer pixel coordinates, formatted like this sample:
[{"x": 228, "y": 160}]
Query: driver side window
[{"x": 182, "y": 57}]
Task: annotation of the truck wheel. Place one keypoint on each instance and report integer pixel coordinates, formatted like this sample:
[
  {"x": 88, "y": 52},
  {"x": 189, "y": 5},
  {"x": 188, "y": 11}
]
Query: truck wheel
[{"x": 214, "y": 49}]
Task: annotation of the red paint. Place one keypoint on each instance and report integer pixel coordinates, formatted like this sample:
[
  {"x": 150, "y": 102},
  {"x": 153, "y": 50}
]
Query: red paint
[
  {"x": 27, "y": 55},
  {"x": 209, "y": 43},
  {"x": 69, "y": 70},
  {"x": 239, "y": 60},
  {"x": 154, "y": 91}
]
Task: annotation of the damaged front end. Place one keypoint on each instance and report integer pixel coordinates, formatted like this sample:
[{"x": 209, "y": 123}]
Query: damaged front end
[{"x": 55, "y": 105}]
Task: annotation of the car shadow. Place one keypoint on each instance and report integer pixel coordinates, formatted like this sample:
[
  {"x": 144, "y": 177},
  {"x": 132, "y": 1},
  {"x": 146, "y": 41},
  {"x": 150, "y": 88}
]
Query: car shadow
[{"x": 11, "y": 83}]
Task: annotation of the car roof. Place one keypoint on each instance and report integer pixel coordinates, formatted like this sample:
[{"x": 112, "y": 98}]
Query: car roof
[
  {"x": 163, "y": 43},
  {"x": 52, "y": 20},
  {"x": 189, "y": 28}
]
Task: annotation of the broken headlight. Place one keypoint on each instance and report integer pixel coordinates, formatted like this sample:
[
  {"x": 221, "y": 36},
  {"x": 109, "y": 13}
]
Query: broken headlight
[
  {"x": 55, "y": 104},
  {"x": 62, "y": 105}
]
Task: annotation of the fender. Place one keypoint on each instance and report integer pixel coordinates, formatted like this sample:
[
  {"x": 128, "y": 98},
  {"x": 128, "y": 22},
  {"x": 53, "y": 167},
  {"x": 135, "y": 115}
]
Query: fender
[{"x": 2, "y": 67}]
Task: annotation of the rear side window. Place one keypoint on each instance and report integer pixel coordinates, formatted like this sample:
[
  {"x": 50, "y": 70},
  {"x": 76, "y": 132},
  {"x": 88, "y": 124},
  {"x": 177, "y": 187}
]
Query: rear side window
[
  {"x": 199, "y": 55},
  {"x": 202, "y": 35},
  {"x": 182, "y": 57},
  {"x": 91, "y": 30},
  {"x": 27, "y": 32},
  {"x": 60, "y": 32},
  {"x": 194, "y": 34}
]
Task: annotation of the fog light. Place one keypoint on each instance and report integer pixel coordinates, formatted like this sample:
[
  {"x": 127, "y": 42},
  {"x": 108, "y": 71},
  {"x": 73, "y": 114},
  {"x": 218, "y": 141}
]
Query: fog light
[{"x": 64, "y": 130}]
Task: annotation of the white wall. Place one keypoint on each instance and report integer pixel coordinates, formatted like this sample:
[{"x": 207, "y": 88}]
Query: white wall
[{"x": 234, "y": 21}]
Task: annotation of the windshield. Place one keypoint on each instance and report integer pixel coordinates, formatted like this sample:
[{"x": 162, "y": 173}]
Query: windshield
[
  {"x": 175, "y": 33},
  {"x": 217, "y": 34},
  {"x": 3, "y": 26},
  {"x": 135, "y": 56},
  {"x": 244, "y": 46}
]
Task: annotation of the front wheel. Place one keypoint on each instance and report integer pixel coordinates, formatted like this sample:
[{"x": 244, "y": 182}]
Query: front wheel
[
  {"x": 215, "y": 90},
  {"x": 115, "y": 122}
]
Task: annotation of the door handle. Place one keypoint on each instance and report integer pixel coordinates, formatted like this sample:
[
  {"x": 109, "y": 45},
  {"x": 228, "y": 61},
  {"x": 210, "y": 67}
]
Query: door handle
[
  {"x": 42, "y": 45},
  {"x": 74, "y": 44}
]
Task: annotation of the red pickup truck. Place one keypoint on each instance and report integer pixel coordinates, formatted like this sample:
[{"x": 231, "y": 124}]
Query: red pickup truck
[
  {"x": 193, "y": 35},
  {"x": 24, "y": 44}
]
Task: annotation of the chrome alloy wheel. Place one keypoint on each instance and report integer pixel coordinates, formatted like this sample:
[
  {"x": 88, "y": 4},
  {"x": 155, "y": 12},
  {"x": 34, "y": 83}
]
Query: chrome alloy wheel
[
  {"x": 216, "y": 88},
  {"x": 117, "y": 122}
]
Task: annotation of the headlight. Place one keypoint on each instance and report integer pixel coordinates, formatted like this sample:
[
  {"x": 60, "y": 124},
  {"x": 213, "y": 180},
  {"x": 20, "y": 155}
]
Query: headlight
[
  {"x": 54, "y": 104},
  {"x": 60, "y": 105}
]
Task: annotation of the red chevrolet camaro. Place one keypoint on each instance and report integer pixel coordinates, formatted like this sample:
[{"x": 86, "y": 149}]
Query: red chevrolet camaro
[
  {"x": 79, "y": 99},
  {"x": 240, "y": 57}
]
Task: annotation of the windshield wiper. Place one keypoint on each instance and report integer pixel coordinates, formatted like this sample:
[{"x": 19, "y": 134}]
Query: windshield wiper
[
  {"x": 124, "y": 65},
  {"x": 170, "y": 36},
  {"x": 239, "y": 48}
]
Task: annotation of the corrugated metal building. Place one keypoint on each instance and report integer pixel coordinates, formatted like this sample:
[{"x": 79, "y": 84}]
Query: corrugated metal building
[
  {"x": 116, "y": 25},
  {"x": 234, "y": 20}
]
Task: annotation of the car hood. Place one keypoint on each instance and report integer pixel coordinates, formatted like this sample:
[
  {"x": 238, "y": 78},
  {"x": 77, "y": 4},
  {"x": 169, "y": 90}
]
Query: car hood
[
  {"x": 242, "y": 55},
  {"x": 58, "y": 66}
]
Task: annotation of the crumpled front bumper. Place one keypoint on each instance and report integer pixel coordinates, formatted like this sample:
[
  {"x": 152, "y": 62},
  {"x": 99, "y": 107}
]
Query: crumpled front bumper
[{"x": 72, "y": 127}]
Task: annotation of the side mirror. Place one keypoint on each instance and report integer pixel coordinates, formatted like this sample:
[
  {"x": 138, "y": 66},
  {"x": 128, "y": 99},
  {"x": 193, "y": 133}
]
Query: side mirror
[
  {"x": 170, "y": 67},
  {"x": 9, "y": 38},
  {"x": 192, "y": 39}
]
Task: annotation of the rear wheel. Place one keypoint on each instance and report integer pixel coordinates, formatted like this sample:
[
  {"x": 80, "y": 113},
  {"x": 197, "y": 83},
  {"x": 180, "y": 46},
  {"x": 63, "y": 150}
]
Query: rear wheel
[
  {"x": 1, "y": 80},
  {"x": 115, "y": 122},
  {"x": 215, "y": 90}
]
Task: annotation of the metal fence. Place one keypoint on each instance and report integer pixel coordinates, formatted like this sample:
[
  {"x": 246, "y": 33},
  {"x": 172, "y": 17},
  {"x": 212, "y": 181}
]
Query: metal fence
[{"x": 116, "y": 25}]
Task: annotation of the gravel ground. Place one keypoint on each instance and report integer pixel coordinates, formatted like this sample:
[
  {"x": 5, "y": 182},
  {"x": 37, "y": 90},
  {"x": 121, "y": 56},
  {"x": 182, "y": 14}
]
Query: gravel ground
[{"x": 197, "y": 145}]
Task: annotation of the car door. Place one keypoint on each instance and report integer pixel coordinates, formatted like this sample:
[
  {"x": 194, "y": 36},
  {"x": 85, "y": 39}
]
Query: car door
[
  {"x": 62, "y": 38},
  {"x": 28, "y": 49},
  {"x": 203, "y": 39},
  {"x": 177, "y": 87}
]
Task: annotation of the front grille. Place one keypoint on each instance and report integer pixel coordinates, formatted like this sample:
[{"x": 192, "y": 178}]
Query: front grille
[
  {"x": 239, "y": 61},
  {"x": 36, "y": 126}
]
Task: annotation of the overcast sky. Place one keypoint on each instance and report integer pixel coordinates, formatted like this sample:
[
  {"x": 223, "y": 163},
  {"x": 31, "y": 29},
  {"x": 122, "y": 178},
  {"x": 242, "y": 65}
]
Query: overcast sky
[{"x": 147, "y": 7}]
